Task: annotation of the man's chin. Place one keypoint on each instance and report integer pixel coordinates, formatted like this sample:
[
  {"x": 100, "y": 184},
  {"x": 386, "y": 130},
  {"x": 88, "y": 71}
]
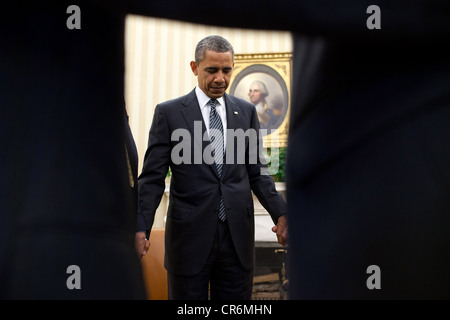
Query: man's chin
[{"x": 215, "y": 94}]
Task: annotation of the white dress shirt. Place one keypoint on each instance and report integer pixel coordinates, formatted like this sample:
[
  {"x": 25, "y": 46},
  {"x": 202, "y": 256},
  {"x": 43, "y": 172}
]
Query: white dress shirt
[{"x": 203, "y": 101}]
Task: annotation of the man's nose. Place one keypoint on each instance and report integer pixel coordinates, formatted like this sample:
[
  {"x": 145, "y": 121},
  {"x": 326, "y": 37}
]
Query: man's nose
[{"x": 219, "y": 77}]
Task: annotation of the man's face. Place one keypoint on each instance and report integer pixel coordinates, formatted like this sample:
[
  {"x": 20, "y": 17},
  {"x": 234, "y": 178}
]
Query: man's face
[
  {"x": 254, "y": 93},
  {"x": 214, "y": 73}
]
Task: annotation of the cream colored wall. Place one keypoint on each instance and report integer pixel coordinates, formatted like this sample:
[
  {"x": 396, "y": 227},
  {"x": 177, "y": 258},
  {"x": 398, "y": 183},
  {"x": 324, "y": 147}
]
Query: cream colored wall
[{"x": 158, "y": 53}]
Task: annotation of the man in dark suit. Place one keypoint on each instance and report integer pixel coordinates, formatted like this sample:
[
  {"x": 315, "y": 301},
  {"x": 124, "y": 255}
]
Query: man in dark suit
[{"x": 210, "y": 223}]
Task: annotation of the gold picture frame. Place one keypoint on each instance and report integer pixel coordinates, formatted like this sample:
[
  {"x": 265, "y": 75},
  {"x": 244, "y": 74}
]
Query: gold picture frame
[{"x": 274, "y": 72}]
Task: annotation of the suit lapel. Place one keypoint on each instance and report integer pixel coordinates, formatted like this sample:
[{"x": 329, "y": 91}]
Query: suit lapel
[
  {"x": 232, "y": 111},
  {"x": 192, "y": 115},
  {"x": 191, "y": 112}
]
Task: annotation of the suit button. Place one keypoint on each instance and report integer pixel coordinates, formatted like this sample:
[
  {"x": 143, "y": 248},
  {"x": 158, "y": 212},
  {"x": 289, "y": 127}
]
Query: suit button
[{"x": 221, "y": 184}]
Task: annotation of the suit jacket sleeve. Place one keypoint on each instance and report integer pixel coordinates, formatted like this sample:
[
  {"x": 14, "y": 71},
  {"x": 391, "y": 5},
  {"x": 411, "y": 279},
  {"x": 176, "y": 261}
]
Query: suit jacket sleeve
[
  {"x": 156, "y": 164},
  {"x": 261, "y": 182}
]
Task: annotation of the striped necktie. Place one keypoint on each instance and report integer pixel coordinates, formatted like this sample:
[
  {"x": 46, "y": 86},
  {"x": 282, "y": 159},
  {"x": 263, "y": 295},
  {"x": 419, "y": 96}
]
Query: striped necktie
[{"x": 216, "y": 134}]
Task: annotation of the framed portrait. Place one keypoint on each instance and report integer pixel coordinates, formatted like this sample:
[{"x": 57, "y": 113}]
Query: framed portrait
[{"x": 265, "y": 80}]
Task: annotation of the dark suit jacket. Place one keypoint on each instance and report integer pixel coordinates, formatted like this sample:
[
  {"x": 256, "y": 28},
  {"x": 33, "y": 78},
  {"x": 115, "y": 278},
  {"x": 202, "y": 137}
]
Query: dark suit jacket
[
  {"x": 65, "y": 197},
  {"x": 195, "y": 188}
]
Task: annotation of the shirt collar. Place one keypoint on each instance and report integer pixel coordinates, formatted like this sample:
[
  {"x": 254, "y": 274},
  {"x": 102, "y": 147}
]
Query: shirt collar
[{"x": 203, "y": 99}]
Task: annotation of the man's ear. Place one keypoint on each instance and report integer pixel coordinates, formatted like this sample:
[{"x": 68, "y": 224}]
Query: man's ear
[{"x": 194, "y": 68}]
